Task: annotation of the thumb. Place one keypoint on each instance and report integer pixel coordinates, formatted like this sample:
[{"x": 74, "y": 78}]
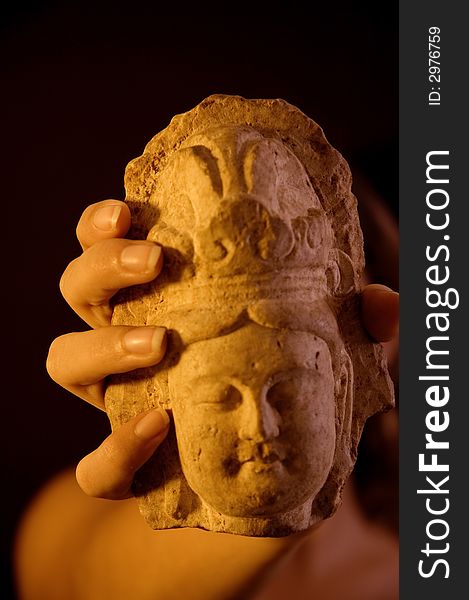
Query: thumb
[{"x": 380, "y": 312}]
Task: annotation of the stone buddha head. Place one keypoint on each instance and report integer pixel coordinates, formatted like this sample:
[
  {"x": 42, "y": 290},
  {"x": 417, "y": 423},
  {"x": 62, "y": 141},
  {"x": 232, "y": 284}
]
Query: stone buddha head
[{"x": 269, "y": 376}]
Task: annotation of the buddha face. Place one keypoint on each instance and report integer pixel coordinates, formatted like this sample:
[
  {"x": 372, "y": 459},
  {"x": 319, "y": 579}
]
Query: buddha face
[{"x": 254, "y": 412}]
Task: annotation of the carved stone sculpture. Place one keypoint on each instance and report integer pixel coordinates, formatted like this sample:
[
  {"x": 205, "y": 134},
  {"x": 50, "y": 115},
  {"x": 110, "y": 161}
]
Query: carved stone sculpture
[{"x": 269, "y": 375}]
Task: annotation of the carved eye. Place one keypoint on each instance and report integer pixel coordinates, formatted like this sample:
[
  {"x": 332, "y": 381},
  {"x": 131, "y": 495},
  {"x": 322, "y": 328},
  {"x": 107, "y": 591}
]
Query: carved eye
[
  {"x": 283, "y": 394},
  {"x": 231, "y": 398},
  {"x": 226, "y": 398},
  {"x": 296, "y": 391}
]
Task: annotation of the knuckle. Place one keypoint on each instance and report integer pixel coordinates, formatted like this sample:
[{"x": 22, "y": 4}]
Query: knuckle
[
  {"x": 64, "y": 283},
  {"x": 79, "y": 229},
  {"x": 53, "y": 361},
  {"x": 63, "y": 286},
  {"x": 84, "y": 480},
  {"x": 80, "y": 475},
  {"x": 57, "y": 361},
  {"x": 84, "y": 222}
]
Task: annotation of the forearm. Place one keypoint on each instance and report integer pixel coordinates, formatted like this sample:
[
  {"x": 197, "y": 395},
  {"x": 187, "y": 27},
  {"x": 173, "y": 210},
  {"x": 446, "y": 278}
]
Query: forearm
[
  {"x": 185, "y": 563},
  {"x": 121, "y": 557}
]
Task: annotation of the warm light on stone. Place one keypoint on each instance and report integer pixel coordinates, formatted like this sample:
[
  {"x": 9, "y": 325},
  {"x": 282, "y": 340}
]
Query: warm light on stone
[{"x": 269, "y": 375}]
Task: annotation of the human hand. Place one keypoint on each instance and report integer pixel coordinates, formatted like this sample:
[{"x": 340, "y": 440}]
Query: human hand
[{"x": 80, "y": 361}]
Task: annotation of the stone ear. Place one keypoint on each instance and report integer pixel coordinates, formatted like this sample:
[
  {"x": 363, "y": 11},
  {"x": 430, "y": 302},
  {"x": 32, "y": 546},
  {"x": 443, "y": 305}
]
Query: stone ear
[
  {"x": 158, "y": 384},
  {"x": 344, "y": 395},
  {"x": 339, "y": 273}
]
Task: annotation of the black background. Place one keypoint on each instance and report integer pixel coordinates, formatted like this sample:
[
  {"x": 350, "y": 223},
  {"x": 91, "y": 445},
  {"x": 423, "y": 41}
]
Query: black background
[{"x": 86, "y": 85}]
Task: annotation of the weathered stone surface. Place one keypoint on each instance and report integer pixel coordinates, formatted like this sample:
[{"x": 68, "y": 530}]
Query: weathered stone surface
[{"x": 269, "y": 375}]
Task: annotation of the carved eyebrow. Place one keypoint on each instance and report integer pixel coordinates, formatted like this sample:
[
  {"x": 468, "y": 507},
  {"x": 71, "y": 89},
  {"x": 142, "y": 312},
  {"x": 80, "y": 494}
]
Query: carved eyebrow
[
  {"x": 291, "y": 373},
  {"x": 224, "y": 381}
]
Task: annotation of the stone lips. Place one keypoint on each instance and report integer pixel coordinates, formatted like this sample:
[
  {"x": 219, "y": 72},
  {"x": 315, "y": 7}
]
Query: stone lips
[{"x": 261, "y": 202}]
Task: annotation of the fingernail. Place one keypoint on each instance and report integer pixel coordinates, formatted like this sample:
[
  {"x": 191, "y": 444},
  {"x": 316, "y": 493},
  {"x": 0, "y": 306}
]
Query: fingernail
[
  {"x": 140, "y": 257},
  {"x": 106, "y": 218},
  {"x": 152, "y": 424},
  {"x": 143, "y": 340}
]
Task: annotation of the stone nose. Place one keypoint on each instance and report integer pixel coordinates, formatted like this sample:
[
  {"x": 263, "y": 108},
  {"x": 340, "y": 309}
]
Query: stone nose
[{"x": 260, "y": 420}]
